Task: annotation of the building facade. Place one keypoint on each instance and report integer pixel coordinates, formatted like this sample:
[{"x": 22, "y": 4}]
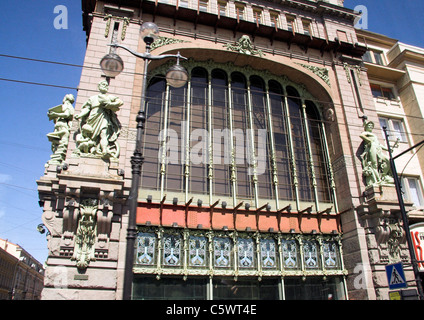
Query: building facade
[
  {"x": 21, "y": 276},
  {"x": 263, "y": 176}
]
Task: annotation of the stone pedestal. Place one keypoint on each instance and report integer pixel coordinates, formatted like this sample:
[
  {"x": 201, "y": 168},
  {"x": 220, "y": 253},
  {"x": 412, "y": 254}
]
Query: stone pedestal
[
  {"x": 83, "y": 203},
  {"x": 385, "y": 235}
]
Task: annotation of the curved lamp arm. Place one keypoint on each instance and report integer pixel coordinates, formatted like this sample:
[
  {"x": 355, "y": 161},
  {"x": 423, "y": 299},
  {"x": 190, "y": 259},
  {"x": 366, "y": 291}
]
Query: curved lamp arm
[{"x": 147, "y": 55}]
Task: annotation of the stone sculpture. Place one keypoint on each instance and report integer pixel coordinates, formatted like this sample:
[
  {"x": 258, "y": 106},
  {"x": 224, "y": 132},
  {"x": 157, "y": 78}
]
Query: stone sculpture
[
  {"x": 99, "y": 126},
  {"x": 375, "y": 164},
  {"x": 62, "y": 116}
]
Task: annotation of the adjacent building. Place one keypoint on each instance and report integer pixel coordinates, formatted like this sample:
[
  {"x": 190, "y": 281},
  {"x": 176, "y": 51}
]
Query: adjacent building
[
  {"x": 21, "y": 276},
  {"x": 264, "y": 175}
]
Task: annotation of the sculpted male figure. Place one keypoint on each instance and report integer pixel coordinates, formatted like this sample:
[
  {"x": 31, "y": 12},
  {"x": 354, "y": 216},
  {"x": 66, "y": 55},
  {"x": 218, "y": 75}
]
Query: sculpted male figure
[{"x": 99, "y": 114}]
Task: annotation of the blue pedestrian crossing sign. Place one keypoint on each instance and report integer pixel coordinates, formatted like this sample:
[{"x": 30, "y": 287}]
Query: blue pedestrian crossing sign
[{"x": 396, "y": 276}]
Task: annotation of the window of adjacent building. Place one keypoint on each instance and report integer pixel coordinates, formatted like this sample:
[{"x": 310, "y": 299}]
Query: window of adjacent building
[
  {"x": 307, "y": 27},
  {"x": 412, "y": 191},
  {"x": 291, "y": 23},
  {"x": 183, "y": 3},
  {"x": 222, "y": 8},
  {"x": 342, "y": 35},
  {"x": 382, "y": 92},
  {"x": 257, "y": 15},
  {"x": 395, "y": 127},
  {"x": 374, "y": 56},
  {"x": 203, "y": 5},
  {"x": 240, "y": 11},
  {"x": 274, "y": 16}
]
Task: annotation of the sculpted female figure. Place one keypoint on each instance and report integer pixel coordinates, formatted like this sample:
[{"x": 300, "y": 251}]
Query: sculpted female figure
[{"x": 99, "y": 114}]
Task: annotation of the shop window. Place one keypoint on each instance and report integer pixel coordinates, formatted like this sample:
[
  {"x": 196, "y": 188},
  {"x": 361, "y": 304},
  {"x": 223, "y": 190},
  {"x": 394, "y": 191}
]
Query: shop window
[
  {"x": 149, "y": 288},
  {"x": 245, "y": 289}
]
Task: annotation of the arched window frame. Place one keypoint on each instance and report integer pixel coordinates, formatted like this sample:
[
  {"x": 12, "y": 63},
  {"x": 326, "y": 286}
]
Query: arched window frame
[{"x": 284, "y": 82}]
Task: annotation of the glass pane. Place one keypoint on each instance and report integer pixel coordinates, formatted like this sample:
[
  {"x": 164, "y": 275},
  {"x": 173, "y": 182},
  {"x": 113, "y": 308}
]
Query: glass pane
[
  {"x": 378, "y": 58},
  {"x": 246, "y": 253},
  {"x": 398, "y": 130},
  {"x": 245, "y": 289},
  {"x": 415, "y": 192},
  {"x": 222, "y": 252},
  {"x": 198, "y": 251},
  {"x": 148, "y": 288},
  {"x": 376, "y": 90},
  {"x": 268, "y": 253},
  {"x": 145, "y": 252},
  {"x": 314, "y": 288},
  {"x": 153, "y": 125},
  {"x": 221, "y": 134},
  {"x": 290, "y": 254},
  {"x": 367, "y": 57},
  {"x": 260, "y": 127},
  {"x": 172, "y": 250},
  {"x": 383, "y": 123},
  {"x": 199, "y": 144},
  {"x": 310, "y": 255},
  {"x": 281, "y": 141},
  {"x": 331, "y": 255}
]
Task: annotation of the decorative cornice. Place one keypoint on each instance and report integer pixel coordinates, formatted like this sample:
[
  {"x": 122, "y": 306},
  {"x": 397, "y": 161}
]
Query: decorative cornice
[
  {"x": 163, "y": 41},
  {"x": 320, "y": 72}
]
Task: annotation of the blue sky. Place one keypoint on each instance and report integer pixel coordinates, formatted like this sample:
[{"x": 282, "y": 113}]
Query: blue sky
[{"x": 28, "y": 31}]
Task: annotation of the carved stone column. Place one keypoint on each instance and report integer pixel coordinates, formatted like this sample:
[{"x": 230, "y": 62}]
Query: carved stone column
[{"x": 385, "y": 235}]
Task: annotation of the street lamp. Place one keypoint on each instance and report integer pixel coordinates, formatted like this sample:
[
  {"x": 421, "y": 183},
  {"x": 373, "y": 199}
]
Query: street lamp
[{"x": 176, "y": 76}]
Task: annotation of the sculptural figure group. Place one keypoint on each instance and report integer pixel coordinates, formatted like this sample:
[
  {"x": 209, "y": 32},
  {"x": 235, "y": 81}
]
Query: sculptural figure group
[{"x": 99, "y": 126}]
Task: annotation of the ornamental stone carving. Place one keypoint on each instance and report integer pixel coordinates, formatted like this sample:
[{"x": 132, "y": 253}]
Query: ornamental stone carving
[{"x": 85, "y": 236}]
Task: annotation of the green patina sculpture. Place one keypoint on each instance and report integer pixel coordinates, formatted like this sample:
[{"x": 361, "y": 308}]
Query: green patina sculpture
[
  {"x": 375, "y": 164},
  {"x": 85, "y": 236},
  {"x": 245, "y": 46},
  {"x": 99, "y": 126},
  {"x": 62, "y": 116}
]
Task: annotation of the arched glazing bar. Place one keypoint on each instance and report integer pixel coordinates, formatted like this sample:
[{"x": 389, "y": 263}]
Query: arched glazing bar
[{"x": 224, "y": 110}]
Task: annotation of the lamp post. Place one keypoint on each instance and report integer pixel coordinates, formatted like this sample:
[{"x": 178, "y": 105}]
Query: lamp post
[{"x": 176, "y": 76}]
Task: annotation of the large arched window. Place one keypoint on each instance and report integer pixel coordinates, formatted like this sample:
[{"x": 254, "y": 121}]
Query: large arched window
[{"x": 233, "y": 133}]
